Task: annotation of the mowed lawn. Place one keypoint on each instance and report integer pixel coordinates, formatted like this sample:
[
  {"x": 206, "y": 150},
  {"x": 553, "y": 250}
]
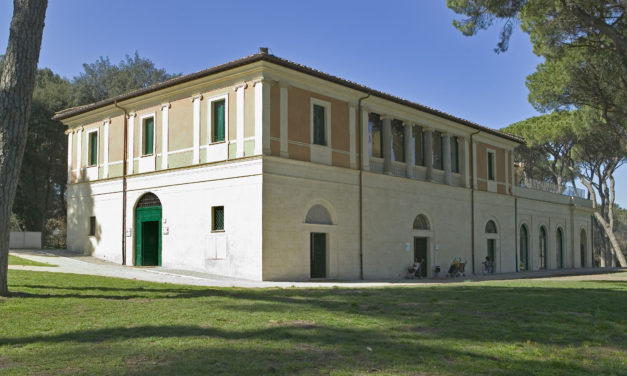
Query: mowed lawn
[
  {"x": 15, "y": 260},
  {"x": 62, "y": 324}
]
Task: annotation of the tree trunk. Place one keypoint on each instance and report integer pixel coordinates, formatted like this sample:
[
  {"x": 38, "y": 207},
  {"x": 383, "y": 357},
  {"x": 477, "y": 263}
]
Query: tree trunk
[
  {"x": 612, "y": 238},
  {"x": 17, "y": 82}
]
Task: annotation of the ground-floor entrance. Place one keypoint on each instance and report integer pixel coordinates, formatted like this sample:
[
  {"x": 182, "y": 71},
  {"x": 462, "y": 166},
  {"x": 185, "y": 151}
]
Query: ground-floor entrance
[
  {"x": 318, "y": 253},
  {"x": 420, "y": 254},
  {"x": 148, "y": 231}
]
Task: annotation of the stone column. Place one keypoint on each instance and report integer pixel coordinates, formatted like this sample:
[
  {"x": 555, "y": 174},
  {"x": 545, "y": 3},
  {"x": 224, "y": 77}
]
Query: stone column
[
  {"x": 464, "y": 163},
  {"x": 69, "y": 156},
  {"x": 239, "y": 119},
  {"x": 387, "y": 144},
  {"x": 105, "y": 151},
  {"x": 165, "y": 134},
  {"x": 283, "y": 120},
  {"x": 196, "y": 129},
  {"x": 131, "y": 145},
  {"x": 364, "y": 149},
  {"x": 447, "y": 158},
  {"x": 79, "y": 155},
  {"x": 428, "y": 153},
  {"x": 409, "y": 149},
  {"x": 259, "y": 123},
  {"x": 352, "y": 115}
]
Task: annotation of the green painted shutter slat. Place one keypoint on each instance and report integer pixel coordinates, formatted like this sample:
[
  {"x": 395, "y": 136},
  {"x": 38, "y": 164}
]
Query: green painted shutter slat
[
  {"x": 93, "y": 149},
  {"x": 149, "y": 135},
  {"x": 319, "y": 131},
  {"x": 218, "y": 121}
]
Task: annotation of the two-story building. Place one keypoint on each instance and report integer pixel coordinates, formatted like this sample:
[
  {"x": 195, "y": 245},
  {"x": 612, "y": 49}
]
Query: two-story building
[{"x": 266, "y": 169}]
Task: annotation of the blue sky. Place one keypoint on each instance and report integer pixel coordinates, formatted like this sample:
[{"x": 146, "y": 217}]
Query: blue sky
[{"x": 406, "y": 48}]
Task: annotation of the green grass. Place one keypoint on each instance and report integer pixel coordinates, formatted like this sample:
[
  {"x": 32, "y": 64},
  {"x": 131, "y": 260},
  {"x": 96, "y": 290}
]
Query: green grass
[
  {"x": 14, "y": 260},
  {"x": 66, "y": 324}
]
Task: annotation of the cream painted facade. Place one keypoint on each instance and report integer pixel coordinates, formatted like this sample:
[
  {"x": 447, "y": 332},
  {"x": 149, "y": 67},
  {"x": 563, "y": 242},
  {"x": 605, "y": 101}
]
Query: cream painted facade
[{"x": 304, "y": 186}]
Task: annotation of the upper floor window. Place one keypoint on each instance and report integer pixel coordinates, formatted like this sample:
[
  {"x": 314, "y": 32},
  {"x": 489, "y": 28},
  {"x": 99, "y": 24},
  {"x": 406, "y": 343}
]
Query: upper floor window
[
  {"x": 320, "y": 122},
  {"x": 398, "y": 141},
  {"x": 455, "y": 154},
  {"x": 437, "y": 150},
  {"x": 491, "y": 165},
  {"x": 218, "y": 120},
  {"x": 148, "y": 135},
  {"x": 92, "y": 148},
  {"x": 375, "y": 126},
  {"x": 419, "y": 143}
]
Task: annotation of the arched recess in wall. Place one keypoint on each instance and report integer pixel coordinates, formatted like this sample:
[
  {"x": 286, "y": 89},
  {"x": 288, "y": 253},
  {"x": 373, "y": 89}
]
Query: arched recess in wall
[
  {"x": 583, "y": 245},
  {"x": 523, "y": 257},
  {"x": 148, "y": 241},
  {"x": 559, "y": 243},
  {"x": 492, "y": 246},
  {"x": 319, "y": 224},
  {"x": 422, "y": 239},
  {"x": 318, "y": 215},
  {"x": 421, "y": 222},
  {"x": 542, "y": 247}
]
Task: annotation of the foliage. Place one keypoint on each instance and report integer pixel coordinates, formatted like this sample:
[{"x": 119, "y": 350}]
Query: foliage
[
  {"x": 98, "y": 325},
  {"x": 101, "y": 80},
  {"x": 15, "y": 223}
]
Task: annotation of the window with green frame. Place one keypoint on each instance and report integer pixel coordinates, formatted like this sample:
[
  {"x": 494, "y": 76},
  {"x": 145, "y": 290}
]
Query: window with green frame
[
  {"x": 148, "y": 135},
  {"x": 218, "y": 218},
  {"x": 93, "y": 149},
  {"x": 217, "y": 121},
  {"x": 491, "y": 165},
  {"x": 319, "y": 131}
]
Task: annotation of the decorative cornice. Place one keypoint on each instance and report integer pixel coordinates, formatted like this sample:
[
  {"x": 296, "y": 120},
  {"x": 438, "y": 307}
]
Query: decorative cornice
[
  {"x": 258, "y": 81},
  {"x": 196, "y": 97},
  {"x": 166, "y": 105},
  {"x": 243, "y": 85}
]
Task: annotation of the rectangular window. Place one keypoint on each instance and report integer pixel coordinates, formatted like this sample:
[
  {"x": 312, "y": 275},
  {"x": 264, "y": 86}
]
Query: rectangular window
[
  {"x": 491, "y": 161},
  {"x": 437, "y": 150},
  {"x": 93, "y": 148},
  {"x": 398, "y": 141},
  {"x": 419, "y": 142},
  {"x": 148, "y": 134},
  {"x": 218, "y": 218},
  {"x": 375, "y": 127},
  {"x": 218, "y": 126},
  {"x": 319, "y": 137},
  {"x": 92, "y": 226},
  {"x": 454, "y": 154}
]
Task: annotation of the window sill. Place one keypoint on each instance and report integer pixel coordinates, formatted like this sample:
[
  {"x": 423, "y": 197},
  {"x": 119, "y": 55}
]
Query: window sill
[
  {"x": 217, "y": 142},
  {"x": 217, "y": 231}
]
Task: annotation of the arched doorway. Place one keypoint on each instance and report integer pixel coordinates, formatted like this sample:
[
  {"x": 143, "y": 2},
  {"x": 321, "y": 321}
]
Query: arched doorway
[
  {"x": 492, "y": 236},
  {"x": 148, "y": 231},
  {"x": 524, "y": 248},
  {"x": 560, "y": 248},
  {"x": 542, "y": 249},
  {"x": 421, "y": 229},
  {"x": 318, "y": 241},
  {"x": 583, "y": 241}
]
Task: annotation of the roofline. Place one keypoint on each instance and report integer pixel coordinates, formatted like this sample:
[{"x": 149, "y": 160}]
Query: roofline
[{"x": 65, "y": 114}]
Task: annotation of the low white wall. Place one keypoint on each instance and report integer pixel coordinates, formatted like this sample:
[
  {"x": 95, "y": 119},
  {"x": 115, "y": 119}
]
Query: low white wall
[{"x": 25, "y": 240}]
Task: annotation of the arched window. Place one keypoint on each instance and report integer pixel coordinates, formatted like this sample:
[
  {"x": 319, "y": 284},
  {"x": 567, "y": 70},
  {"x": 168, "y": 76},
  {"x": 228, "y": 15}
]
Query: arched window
[
  {"x": 583, "y": 241},
  {"x": 318, "y": 215},
  {"x": 560, "y": 248},
  {"x": 490, "y": 227},
  {"x": 524, "y": 248},
  {"x": 542, "y": 248},
  {"x": 148, "y": 200},
  {"x": 421, "y": 222}
]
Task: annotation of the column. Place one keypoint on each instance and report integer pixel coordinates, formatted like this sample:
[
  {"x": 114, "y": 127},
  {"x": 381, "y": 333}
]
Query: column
[
  {"x": 447, "y": 158},
  {"x": 165, "y": 134},
  {"x": 196, "y": 129},
  {"x": 105, "y": 154},
  {"x": 507, "y": 164},
  {"x": 131, "y": 145},
  {"x": 365, "y": 141},
  {"x": 283, "y": 120},
  {"x": 352, "y": 114},
  {"x": 429, "y": 153},
  {"x": 465, "y": 165},
  {"x": 79, "y": 155},
  {"x": 239, "y": 119},
  {"x": 409, "y": 149},
  {"x": 69, "y": 156},
  {"x": 474, "y": 165},
  {"x": 259, "y": 124},
  {"x": 387, "y": 144}
]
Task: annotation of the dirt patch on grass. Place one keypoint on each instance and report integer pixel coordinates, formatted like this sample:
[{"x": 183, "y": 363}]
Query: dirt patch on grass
[
  {"x": 305, "y": 324},
  {"x": 6, "y": 363}
]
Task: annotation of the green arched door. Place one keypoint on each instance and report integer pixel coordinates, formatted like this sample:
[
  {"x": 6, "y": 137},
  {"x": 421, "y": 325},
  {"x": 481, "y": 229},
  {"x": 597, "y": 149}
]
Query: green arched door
[{"x": 148, "y": 231}]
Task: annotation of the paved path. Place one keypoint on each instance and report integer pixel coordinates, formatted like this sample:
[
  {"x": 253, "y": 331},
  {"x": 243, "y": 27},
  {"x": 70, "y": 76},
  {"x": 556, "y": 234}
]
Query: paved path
[{"x": 69, "y": 262}]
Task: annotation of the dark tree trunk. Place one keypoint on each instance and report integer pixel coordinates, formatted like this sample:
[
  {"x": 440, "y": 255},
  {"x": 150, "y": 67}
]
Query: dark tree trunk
[{"x": 17, "y": 82}]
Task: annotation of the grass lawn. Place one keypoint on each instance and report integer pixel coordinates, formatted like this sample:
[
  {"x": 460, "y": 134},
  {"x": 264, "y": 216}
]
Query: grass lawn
[
  {"x": 66, "y": 324},
  {"x": 14, "y": 260}
]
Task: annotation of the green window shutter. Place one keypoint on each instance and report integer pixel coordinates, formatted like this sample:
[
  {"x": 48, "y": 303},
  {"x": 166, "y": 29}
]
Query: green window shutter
[
  {"x": 149, "y": 129},
  {"x": 218, "y": 121},
  {"x": 93, "y": 149},
  {"x": 319, "y": 126}
]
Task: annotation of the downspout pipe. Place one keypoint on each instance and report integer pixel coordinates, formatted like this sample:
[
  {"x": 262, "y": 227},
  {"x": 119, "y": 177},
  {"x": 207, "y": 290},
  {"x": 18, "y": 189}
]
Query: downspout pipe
[
  {"x": 361, "y": 195},
  {"x": 124, "y": 169},
  {"x": 472, "y": 201}
]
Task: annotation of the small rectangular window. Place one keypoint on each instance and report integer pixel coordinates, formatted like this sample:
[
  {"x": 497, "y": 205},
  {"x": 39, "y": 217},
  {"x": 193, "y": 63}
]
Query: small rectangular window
[
  {"x": 218, "y": 218},
  {"x": 92, "y": 226},
  {"x": 319, "y": 134},
  {"x": 148, "y": 132},
  {"x": 218, "y": 116},
  {"x": 93, "y": 149},
  {"x": 490, "y": 165},
  {"x": 374, "y": 134}
]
